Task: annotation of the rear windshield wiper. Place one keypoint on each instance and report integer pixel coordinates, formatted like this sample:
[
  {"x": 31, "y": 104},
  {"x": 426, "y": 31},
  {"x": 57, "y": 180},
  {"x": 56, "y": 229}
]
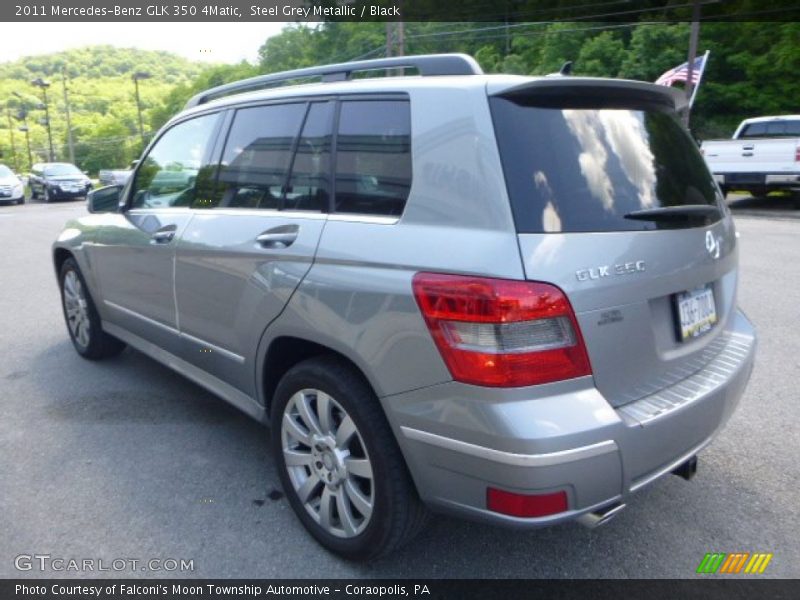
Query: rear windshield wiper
[{"x": 675, "y": 213}]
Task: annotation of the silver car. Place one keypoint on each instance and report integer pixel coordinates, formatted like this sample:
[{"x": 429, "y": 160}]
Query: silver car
[{"x": 507, "y": 298}]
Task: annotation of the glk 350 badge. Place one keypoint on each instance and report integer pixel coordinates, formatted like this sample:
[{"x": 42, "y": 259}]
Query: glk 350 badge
[{"x": 626, "y": 268}]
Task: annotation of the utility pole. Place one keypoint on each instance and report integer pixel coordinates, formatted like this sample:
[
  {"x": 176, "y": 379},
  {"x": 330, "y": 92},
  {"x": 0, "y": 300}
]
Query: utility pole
[
  {"x": 694, "y": 34},
  {"x": 27, "y": 132},
  {"x": 69, "y": 122},
  {"x": 11, "y": 133},
  {"x": 401, "y": 38},
  {"x": 395, "y": 43},
  {"x": 41, "y": 83},
  {"x": 136, "y": 77}
]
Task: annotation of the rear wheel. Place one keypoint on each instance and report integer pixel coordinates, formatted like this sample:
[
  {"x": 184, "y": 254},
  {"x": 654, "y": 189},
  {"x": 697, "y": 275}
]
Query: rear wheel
[
  {"x": 339, "y": 463},
  {"x": 83, "y": 321}
]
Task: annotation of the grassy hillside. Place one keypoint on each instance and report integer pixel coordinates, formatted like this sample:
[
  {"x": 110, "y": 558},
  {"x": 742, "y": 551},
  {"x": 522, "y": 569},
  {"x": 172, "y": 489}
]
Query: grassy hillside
[{"x": 102, "y": 101}]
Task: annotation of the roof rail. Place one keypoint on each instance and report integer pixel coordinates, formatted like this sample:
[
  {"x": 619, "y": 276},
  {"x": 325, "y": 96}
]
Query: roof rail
[{"x": 426, "y": 64}]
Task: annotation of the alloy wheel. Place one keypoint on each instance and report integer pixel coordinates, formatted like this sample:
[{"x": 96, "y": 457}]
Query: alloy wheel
[
  {"x": 76, "y": 308},
  {"x": 327, "y": 463}
]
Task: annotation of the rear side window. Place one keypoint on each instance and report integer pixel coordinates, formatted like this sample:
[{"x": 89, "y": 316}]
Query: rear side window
[
  {"x": 257, "y": 155},
  {"x": 309, "y": 183},
  {"x": 373, "y": 157},
  {"x": 584, "y": 169},
  {"x": 771, "y": 129}
]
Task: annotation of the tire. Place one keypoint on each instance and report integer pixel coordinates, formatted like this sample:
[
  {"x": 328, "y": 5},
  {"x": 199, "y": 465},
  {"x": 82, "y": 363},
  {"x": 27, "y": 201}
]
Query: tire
[
  {"x": 725, "y": 191},
  {"x": 394, "y": 513},
  {"x": 21, "y": 200},
  {"x": 81, "y": 317}
]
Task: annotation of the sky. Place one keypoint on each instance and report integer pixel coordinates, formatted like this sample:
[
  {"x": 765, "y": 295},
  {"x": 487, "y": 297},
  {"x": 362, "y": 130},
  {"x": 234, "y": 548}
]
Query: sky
[{"x": 207, "y": 42}]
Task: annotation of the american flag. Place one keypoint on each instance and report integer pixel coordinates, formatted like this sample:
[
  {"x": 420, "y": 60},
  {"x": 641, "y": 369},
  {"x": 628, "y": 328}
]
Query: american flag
[{"x": 681, "y": 72}]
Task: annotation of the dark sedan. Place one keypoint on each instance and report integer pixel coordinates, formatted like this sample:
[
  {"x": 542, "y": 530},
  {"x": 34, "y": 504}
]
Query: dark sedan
[{"x": 55, "y": 181}]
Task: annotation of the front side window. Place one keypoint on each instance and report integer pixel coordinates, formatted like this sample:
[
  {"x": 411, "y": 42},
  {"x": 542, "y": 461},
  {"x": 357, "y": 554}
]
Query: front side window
[
  {"x": 373, "y": 157},
  {"x": 176, "y": 170},
  {"x": 258, "y": 154}
]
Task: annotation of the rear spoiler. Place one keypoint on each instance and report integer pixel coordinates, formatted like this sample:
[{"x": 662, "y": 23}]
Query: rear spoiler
[{"x": 591, "y": 92}]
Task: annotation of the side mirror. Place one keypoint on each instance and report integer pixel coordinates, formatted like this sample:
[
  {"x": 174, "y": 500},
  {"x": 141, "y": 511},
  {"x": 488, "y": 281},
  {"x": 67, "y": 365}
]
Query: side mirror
[
  {"x": 104, "y": 199},
  {"x": 133, "y": 164}
]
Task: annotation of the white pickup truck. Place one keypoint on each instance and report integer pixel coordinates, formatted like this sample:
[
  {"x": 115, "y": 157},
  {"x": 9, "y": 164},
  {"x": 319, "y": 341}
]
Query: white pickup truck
[{"x": 762, "y": 156}]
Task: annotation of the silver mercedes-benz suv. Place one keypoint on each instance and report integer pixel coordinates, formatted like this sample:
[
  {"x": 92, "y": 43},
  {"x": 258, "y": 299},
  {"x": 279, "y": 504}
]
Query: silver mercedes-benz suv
[{"x": 507, "y": 298}]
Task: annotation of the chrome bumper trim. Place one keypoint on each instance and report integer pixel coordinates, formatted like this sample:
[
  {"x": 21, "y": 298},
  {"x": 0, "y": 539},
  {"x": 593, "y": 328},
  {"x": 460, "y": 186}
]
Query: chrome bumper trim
[{"x": 511, "y": 458}]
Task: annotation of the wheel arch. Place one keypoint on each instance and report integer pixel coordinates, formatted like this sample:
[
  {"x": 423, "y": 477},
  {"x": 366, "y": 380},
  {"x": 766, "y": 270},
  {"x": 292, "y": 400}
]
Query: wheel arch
[
  {"x": 284, "y": 351},
  {"x": 60, "y": 255}
]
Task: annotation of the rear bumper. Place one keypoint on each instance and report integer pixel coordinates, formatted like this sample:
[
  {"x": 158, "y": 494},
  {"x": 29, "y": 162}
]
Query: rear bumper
[
  {"x": 752, "y": 180},
  {"x": 460, "y": 439}
]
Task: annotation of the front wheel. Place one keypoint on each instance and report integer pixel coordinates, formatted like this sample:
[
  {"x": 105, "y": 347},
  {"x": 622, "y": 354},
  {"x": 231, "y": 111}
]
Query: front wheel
[
  {"x": 339, "y": 463},
  {"x": 83, "y": 321}
]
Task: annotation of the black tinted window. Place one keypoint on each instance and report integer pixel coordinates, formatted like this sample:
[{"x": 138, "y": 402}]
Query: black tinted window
[
  {"x": 257, "y": 155},
  {"x": 309, "y": 185},
  {"x": 373, "y": 157},
  {"x": 585, "y": 169},
  {"x": 176, "y": 170},
  {"x": 772, "y": 129}
]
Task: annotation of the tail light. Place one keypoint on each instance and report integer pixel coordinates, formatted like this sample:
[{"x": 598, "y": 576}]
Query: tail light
[
  {"x": 797, "y": 154},
  {"x": 501, "y": 333}
]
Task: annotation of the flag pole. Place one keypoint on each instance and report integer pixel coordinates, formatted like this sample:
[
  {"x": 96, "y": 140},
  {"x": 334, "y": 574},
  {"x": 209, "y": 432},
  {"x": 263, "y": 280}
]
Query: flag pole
[
  {"x": 694, "y": 33},
  {"x": 699, "y": 78}
]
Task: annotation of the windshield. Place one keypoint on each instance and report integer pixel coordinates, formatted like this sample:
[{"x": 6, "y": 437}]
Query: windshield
[
  {"x": 61, "y": 170},
  {"x": 584, "y": 169},
  {"x": 5, "y": 172}
]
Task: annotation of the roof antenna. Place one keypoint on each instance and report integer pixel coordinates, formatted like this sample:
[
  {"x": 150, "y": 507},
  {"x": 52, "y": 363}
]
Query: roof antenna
[{"x": 566, "y": 68}]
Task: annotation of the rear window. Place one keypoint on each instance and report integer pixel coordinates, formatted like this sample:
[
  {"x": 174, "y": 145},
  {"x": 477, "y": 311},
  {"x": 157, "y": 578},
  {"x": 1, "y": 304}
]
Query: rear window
[
  {"x": 771, "y": 129},
  {"x": 583, "y": 169},
  {"x": 373, "y": 157}
]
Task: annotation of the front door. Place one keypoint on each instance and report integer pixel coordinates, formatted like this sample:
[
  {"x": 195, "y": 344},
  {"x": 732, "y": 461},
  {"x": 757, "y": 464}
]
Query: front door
[{"x": 134, "y": 251}]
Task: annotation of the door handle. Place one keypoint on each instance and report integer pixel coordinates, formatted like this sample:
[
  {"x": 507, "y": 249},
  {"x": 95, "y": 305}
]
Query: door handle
[
  {"x": 278, "y": 237},
  {"x": 164, "y": 235},
  {"x": 747, "y": 154}
]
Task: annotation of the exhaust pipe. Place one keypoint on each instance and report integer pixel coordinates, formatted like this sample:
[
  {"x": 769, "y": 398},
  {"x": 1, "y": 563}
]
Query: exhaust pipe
[
  {"x": 600, "y": 517},
  {"x": 688, "y": 469}
]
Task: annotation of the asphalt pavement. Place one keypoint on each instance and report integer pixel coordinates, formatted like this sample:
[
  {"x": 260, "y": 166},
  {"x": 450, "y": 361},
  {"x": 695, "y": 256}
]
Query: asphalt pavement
[{"x": 125, "y": 459}]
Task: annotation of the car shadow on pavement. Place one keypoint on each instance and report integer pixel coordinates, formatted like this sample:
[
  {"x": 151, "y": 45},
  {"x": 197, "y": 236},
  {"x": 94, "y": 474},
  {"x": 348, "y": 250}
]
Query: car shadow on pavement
[{"x": 774, "y": 206}]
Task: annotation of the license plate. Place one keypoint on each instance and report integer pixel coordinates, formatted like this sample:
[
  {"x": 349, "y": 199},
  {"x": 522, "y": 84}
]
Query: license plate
[{"x": 697, "y": 312}]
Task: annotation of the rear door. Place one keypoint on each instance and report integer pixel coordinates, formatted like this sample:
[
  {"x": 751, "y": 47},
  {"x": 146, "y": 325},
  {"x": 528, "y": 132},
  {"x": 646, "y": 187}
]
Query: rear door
[
  {"x": 243, "y": 254},
  {"x": 651, "y": 296}
]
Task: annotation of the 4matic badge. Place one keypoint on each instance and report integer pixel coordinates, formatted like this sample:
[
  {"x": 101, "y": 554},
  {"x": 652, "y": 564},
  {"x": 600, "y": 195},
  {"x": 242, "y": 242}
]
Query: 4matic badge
[{"x": 627, "y": 268}]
